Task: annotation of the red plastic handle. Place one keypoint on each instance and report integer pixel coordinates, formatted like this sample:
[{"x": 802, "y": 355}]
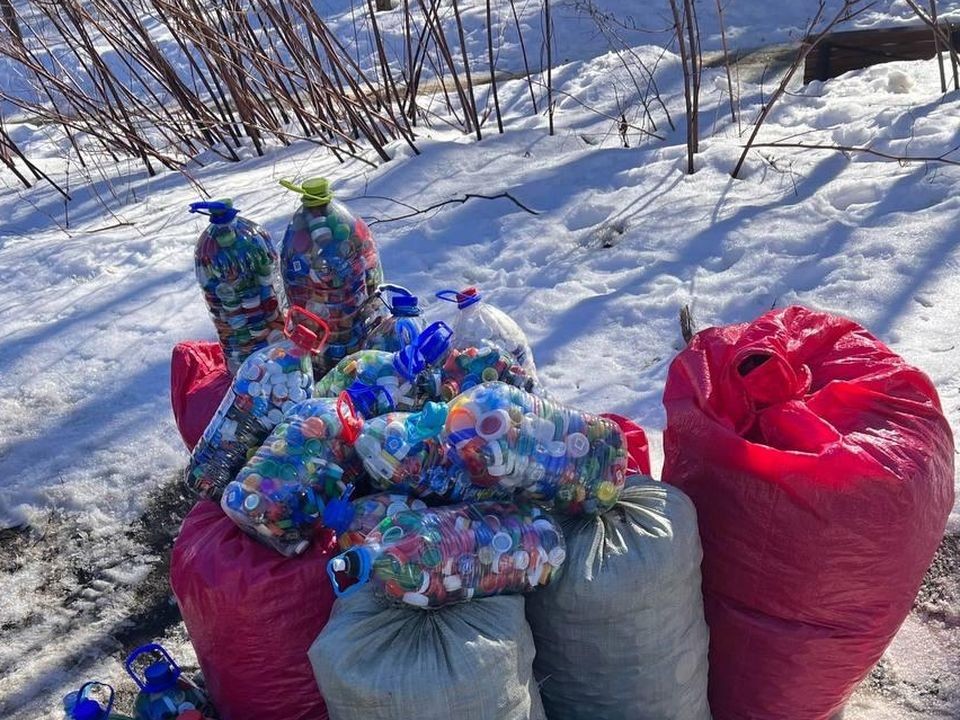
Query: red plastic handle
[
  {"x": 349, "y": 418},
  {"x": 303, "y": 336}
]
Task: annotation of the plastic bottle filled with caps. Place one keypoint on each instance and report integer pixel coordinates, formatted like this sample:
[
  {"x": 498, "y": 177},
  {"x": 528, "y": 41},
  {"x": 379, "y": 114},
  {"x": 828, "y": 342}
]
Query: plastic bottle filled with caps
[
  {"x": 331, "y": 267},
  {"x": 400, "y": 325},
  {"x": 93, "y": 701},
  {"x": 438, "y": 556},
  {"x": 368, "y": 512},
  {"x": 165, "y": 693},
  {"x": 570, "y": 460},
  {"x": 308, "y": 460},
  {"x": 478, "y": 323},
  {"x": 379, "y": 381},
  {"x": 269, "y": 382},
  {"x": 467, "y": 367},
  {"x": 236, "y": 267}
]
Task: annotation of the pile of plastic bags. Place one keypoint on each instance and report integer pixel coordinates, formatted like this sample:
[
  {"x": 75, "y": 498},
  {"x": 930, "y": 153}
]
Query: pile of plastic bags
[{"x": 396, "y": 521}]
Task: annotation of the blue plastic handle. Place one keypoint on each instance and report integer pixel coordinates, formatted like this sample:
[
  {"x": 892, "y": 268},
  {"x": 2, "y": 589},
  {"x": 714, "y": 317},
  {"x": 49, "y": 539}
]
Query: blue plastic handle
[
  {"x": 395, "y": 289},
  {"x": 363, "y": 579},
  {"x": 87, "y": 708},
  {"x": 143, "y": 650},
  {"x": 219, "y": 211}
]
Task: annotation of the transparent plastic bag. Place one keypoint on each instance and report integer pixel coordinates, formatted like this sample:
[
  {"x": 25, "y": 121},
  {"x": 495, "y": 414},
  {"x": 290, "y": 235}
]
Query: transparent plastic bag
[
  {"x": 368, "y": 512},
  {"x": 308, "y": 460},
  {"x": 269, "y": 382},
  {"x": 331, "y": 267},
  {"x": 165, "y": 692},
  {"x": 236, "y": 267},
  {"x": 404, "y": 321},
  {"x": 438, "y": 556},
  {"x": 572, "y": 461},
  {"x": 379, "y": 381},
  {"x": 478, "y": 324}
]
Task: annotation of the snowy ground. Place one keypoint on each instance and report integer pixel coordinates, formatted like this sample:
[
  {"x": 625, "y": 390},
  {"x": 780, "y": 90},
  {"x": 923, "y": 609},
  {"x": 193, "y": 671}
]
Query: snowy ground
[{"x": 621, "y": 239}]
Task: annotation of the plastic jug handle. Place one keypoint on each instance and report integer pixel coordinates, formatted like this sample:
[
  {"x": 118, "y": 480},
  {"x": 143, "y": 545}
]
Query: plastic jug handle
[
  {"x": 89, "y": 683},
  {"x": 396, "y": 289},
  {"x": 142, "y": 650},
  {"x": 223, "y": 210},
  {"x": 334, "y": 566},
  {"x": 302, "y": 335},
  {"x": 350, "y": 420},
  {"x": 463, "y": 298}
]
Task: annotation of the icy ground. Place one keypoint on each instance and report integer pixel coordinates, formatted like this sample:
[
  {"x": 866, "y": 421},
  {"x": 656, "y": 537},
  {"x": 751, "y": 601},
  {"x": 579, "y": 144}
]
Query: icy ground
[{"x": 92, "y": 304}]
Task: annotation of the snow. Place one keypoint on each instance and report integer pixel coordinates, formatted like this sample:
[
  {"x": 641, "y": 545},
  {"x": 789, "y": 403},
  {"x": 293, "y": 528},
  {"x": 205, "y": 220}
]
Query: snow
[{"x": 622, "y": 238}]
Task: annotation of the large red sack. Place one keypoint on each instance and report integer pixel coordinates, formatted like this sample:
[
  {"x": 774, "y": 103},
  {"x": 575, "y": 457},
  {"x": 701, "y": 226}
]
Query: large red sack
[
  {"x": 198, "y": 381},
  {"x": 821, "y": 467},
  {"x": 252, "y": 614}
]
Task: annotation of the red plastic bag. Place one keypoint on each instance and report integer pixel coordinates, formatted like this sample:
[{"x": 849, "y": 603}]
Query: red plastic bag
[
  {"x": 251, "y": 615},
  {"x": 821, "y": 467},
  {"x": 638, "y": 449},
  {"x": 198, "y": 381}
]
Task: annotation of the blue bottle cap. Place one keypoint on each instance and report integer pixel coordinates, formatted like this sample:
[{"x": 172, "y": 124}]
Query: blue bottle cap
[
  {"x": 220, "y": 212},
  {"x": 434, "y": 341},
  {"x": 160, "y": 676},
  {"x": 405, "y": 305},
  {"x": 88, "y": 709}
]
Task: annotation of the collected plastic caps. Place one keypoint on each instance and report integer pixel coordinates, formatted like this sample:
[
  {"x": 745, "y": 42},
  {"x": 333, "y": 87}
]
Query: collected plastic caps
[
  {"x": 479, "y": 323},
  {"x": 93, "y": 701},
  {"x": 573, "y": 461},
  {"x": 236, "y": 268},
  {"x": 308, "y": 460},
  {"x": 404, "y": 452},
  {"x": 403, "y": 323},
  {"x": 164, "y": 692},
  {"x": 380, "y": 381},
  {"x": 269, "y": 382},
  {"x": 331, "y": 267},
  {"x": 367, "y": 512},
  {"x": 439, "y": 556},
  {"x": 465, "y": 368}
]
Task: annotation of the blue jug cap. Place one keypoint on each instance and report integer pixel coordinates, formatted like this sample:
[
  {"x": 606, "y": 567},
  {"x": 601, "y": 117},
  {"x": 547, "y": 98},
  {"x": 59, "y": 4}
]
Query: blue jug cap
[
  {"x": 220, "y": 212},
  {"x": 434, "y": 341},
  {"x": 339, "y": 512},
  {"x": 357, "y": 562},
  {"x": 88, "y": 709},
  {"x": 402, "y": 302},
  {"x": 160, "y": 675}
]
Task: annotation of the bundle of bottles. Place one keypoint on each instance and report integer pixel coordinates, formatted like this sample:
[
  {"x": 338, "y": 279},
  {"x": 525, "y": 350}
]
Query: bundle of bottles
[{"x": 431, "y": 449}]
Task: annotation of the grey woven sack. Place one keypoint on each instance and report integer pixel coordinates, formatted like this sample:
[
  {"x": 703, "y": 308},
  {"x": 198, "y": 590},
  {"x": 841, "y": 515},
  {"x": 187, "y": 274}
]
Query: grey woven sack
[
  {"x": 470, "y": 661},
  {"x": 621, "y": 633}
]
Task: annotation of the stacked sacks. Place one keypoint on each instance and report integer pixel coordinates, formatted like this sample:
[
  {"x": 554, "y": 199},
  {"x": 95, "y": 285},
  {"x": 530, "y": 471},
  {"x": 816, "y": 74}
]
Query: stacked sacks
[
  {"x": 821, "y": 466},
  {"x": 621, "y": 633}
]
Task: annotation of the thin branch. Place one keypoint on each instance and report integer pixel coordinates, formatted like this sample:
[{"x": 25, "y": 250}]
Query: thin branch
[
  {"x": 455, "y": 201},
  {"x": 867, "y": 151}
]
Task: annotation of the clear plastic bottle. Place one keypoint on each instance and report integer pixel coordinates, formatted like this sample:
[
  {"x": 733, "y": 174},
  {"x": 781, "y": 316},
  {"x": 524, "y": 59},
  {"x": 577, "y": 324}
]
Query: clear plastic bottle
[
  {"x": 367, "y": 512},
  {"x": 268, "y": 383},
  {"x": 236, "y": 267},
  {"x": 404, "y": 322},
  {"x": 405, "y": 452},
  {"x": 165, "y": 693},
  {"x": 93, "y": 701},
  {"x": 308, "y": 460},
  {"x": 331, "y": 267},
  {"x": 478, "y": 324},
  {"x": 573, "y": 461},
  {"x": 379, "y": 381},
  {"x": 434, "y": 557},
  {"x": 464, "y": 368}
]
